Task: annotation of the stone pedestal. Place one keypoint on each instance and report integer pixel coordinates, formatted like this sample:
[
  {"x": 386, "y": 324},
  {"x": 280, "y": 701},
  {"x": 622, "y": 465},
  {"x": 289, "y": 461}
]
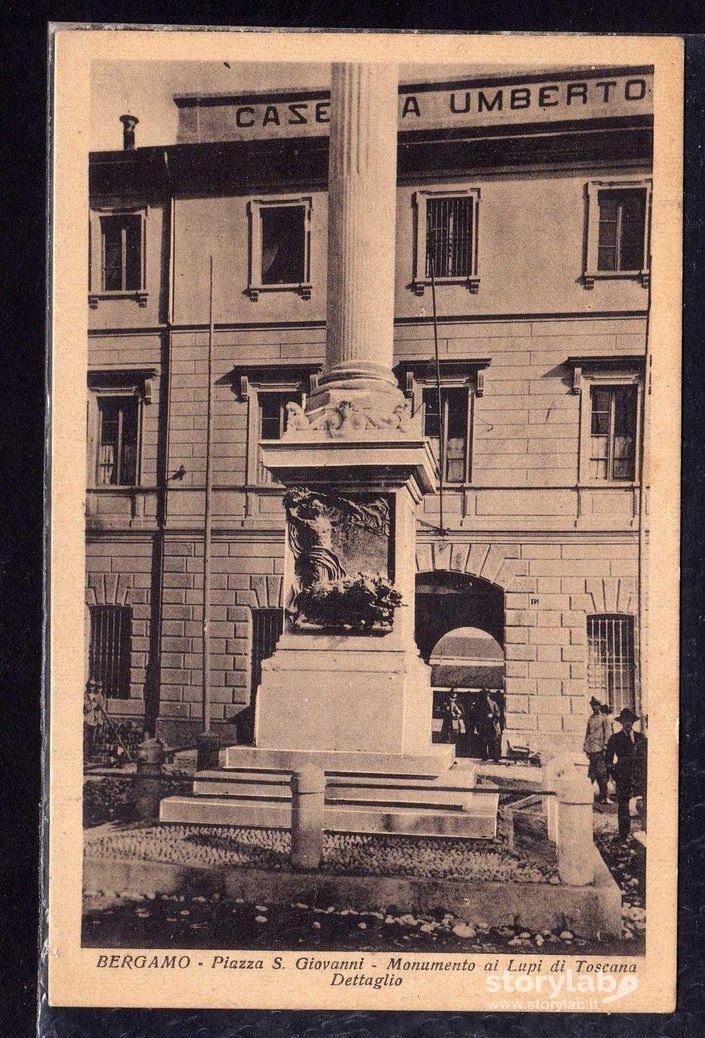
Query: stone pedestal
[{"x": 324, "y": 692}]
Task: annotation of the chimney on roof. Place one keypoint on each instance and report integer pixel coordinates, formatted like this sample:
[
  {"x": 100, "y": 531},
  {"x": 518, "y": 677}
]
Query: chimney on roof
[{"x": 128, "y": 131}]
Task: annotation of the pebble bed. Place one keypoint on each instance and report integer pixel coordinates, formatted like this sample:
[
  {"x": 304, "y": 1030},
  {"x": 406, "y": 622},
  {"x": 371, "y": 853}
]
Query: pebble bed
[{"x": 352, "y": 854}]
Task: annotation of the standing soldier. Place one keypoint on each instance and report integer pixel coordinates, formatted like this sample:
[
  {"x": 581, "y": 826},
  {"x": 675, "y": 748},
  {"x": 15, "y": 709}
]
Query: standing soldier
[
  {"x": 488, "y": 726},
  {"x": 93, "y": 717},
  {"x": 452, "y": 727},
  {"x": 629, "y": 748},
  {"x": 597, "y": 735}
]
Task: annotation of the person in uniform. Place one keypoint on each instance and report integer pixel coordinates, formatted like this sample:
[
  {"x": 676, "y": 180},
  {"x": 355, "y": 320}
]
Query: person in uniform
[
  {"x": 93, "y": 717},
  {"x": 452, "y": 726},
  {"x": 488, "y": 726},
  {"x": 626, "y": 750},
  {"x": 597, "y": 735}
]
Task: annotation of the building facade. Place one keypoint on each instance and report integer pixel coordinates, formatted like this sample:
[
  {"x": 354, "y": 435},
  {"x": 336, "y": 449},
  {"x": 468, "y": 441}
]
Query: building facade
[{"x": 525, "y": 203}]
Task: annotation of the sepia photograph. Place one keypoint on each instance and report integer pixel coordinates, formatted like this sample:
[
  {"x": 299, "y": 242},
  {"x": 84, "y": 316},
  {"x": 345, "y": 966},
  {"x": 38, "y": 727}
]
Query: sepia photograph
[{"x": 368, "y": 651}]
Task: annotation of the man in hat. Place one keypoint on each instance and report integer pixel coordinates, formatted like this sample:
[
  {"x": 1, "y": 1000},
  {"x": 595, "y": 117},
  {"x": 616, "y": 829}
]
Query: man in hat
[
  {"x": 628, "y": 747},
  {"x": 597, "y": 735},
  {"x": 452, "y": 726}
]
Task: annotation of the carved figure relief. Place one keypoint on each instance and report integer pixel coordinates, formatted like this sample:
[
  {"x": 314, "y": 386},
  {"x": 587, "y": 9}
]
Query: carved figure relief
[
  {"x": 345, "y": 420},
  {"x": 295, "y": 417},
  {"x": 340, "y": 548}
]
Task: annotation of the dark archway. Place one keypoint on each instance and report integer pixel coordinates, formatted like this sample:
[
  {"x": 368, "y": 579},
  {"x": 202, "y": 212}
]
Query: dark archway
[
  {"x": 467, "y": 606},
  {"x": 446, "y": 600}
]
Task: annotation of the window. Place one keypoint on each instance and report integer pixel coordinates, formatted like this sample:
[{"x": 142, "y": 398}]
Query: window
[
  {"x": 620, "y": 243},
  {"x": 612, "y": 432},
  {"x": 271, "y": 407},
  {"x": 453, "y": 422},
  {"x": 611, "y": 659},
  {"x": 267, "y": 389},
  {"x": 618, "y": 218},
  {"x": 446, "y": 238},
  {"x": 122, "y": 253},
  {"x": 283, "y": 250},
  {"x": 118, "y": 422},
  {"x": 267, "y": 626},
  {"x": 117, "y": 261},
  {"x": 279, "y": 246},
  {"x": 109, "y": 649}
]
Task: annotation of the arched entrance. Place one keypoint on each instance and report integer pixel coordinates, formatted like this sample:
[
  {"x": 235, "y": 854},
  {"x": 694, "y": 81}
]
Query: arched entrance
[
  {"x": 460, "y": 633},
  {"x": 446, "y": 600}
]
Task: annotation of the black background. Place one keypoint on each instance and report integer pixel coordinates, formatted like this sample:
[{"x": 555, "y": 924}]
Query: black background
[{"x": 23, "y": 280}]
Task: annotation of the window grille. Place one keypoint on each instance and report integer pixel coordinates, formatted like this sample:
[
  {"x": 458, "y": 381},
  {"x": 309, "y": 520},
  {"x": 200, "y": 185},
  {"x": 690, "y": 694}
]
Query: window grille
[
  {"x": 109, "y": 649},
  {"x": 621, "y": 235},
  {"x": 271, "y": 423},
  {"x": 449, "y": 231},
  {"x": 117, "y": 440},
  {"x": 267, "y": 626},
  {"x": 122, "y": 253},
  {"x": 611, "y": 659},
  {"x": 454, "y": 418},
  {"x": 613, "y": 432}
]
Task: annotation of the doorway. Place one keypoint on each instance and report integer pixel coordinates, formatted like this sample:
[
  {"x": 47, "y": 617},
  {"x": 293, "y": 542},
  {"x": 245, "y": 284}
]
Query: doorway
[{"x": 460, "y": 633}]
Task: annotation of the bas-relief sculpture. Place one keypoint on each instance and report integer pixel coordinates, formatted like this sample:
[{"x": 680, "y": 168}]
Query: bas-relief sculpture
[
  {"x": 345, "y": 419},
  {"x": 340, "y": 548}
]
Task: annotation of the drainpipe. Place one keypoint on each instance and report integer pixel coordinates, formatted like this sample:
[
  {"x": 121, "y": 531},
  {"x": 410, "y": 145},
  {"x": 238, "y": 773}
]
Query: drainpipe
[
  {"x": 152, "y": 700},
  {"x": 642, "y": 561}
]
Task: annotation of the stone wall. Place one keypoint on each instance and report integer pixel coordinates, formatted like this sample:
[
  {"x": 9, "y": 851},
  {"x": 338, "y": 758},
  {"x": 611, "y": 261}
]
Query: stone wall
[{"x": 550, "y": 587}]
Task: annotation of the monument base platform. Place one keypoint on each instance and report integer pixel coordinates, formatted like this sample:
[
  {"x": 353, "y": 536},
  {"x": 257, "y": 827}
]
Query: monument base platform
[{"x": 365, "y": 793}]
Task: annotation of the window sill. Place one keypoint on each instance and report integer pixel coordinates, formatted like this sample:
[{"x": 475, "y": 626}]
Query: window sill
[
  {"x": 472, "y": 284},
  {"x": 609, "y": 484},
  {"x": 107, "y": 488},
  {"x": 590, "y": 277},
  {"x": 304, "y": 289},
  {"x": 139, "y": 296}
]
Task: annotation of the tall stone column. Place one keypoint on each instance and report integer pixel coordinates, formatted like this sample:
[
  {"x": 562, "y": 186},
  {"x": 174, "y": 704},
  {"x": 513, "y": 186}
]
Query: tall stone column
[{"x": 361, "y": 239}]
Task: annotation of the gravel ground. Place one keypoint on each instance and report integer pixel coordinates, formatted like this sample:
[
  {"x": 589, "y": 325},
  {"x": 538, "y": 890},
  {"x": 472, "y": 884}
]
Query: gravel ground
[
  {"x": 190, "y": 920},
  {"x": 436, "y": 858}
]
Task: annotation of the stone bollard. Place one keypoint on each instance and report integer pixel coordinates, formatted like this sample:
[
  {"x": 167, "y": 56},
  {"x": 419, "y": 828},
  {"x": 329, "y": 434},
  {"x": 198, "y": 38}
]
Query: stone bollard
[
  {"x": 563, "y": 765},
  {"x": 308, "y": 786},
  {"x": 148, "y": 778},
  {"x": 207, "y": 747},
  {"x": 576, "y": 849}
]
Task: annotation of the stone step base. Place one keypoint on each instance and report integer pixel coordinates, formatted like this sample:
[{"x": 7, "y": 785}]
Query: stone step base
[
  {"x": 454, "y": 788},
  {"x": 477, "y": 821},
  {"x": 437, "y": 761}
]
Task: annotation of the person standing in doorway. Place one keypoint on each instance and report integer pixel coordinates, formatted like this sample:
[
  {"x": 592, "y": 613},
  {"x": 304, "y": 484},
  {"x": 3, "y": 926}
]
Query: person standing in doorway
[
  {"x": 488, "y": 727},
  {"x": 597, "y": 735},
  {"x": 452, "y": 726},
  {"x": 625, "y": 749}
]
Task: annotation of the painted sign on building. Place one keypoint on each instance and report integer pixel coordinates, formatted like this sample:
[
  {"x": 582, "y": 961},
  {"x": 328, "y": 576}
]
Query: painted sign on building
[{"x": 471, "y": 103}]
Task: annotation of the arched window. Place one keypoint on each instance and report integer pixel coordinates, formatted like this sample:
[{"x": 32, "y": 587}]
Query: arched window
[{"x": 611, "y": 659}]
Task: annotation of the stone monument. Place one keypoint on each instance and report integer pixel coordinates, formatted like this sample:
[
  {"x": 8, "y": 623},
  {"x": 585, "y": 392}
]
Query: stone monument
[{"x": 346, "y": 689}]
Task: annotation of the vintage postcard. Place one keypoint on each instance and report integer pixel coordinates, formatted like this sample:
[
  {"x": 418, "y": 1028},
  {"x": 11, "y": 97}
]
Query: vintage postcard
[{"x": 365, "y": 385}]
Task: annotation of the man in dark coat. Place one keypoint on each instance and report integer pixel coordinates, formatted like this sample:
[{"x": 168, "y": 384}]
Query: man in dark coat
[
  {"x": 626, "y": 750},
  {"x": 488, "y": 726}
]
